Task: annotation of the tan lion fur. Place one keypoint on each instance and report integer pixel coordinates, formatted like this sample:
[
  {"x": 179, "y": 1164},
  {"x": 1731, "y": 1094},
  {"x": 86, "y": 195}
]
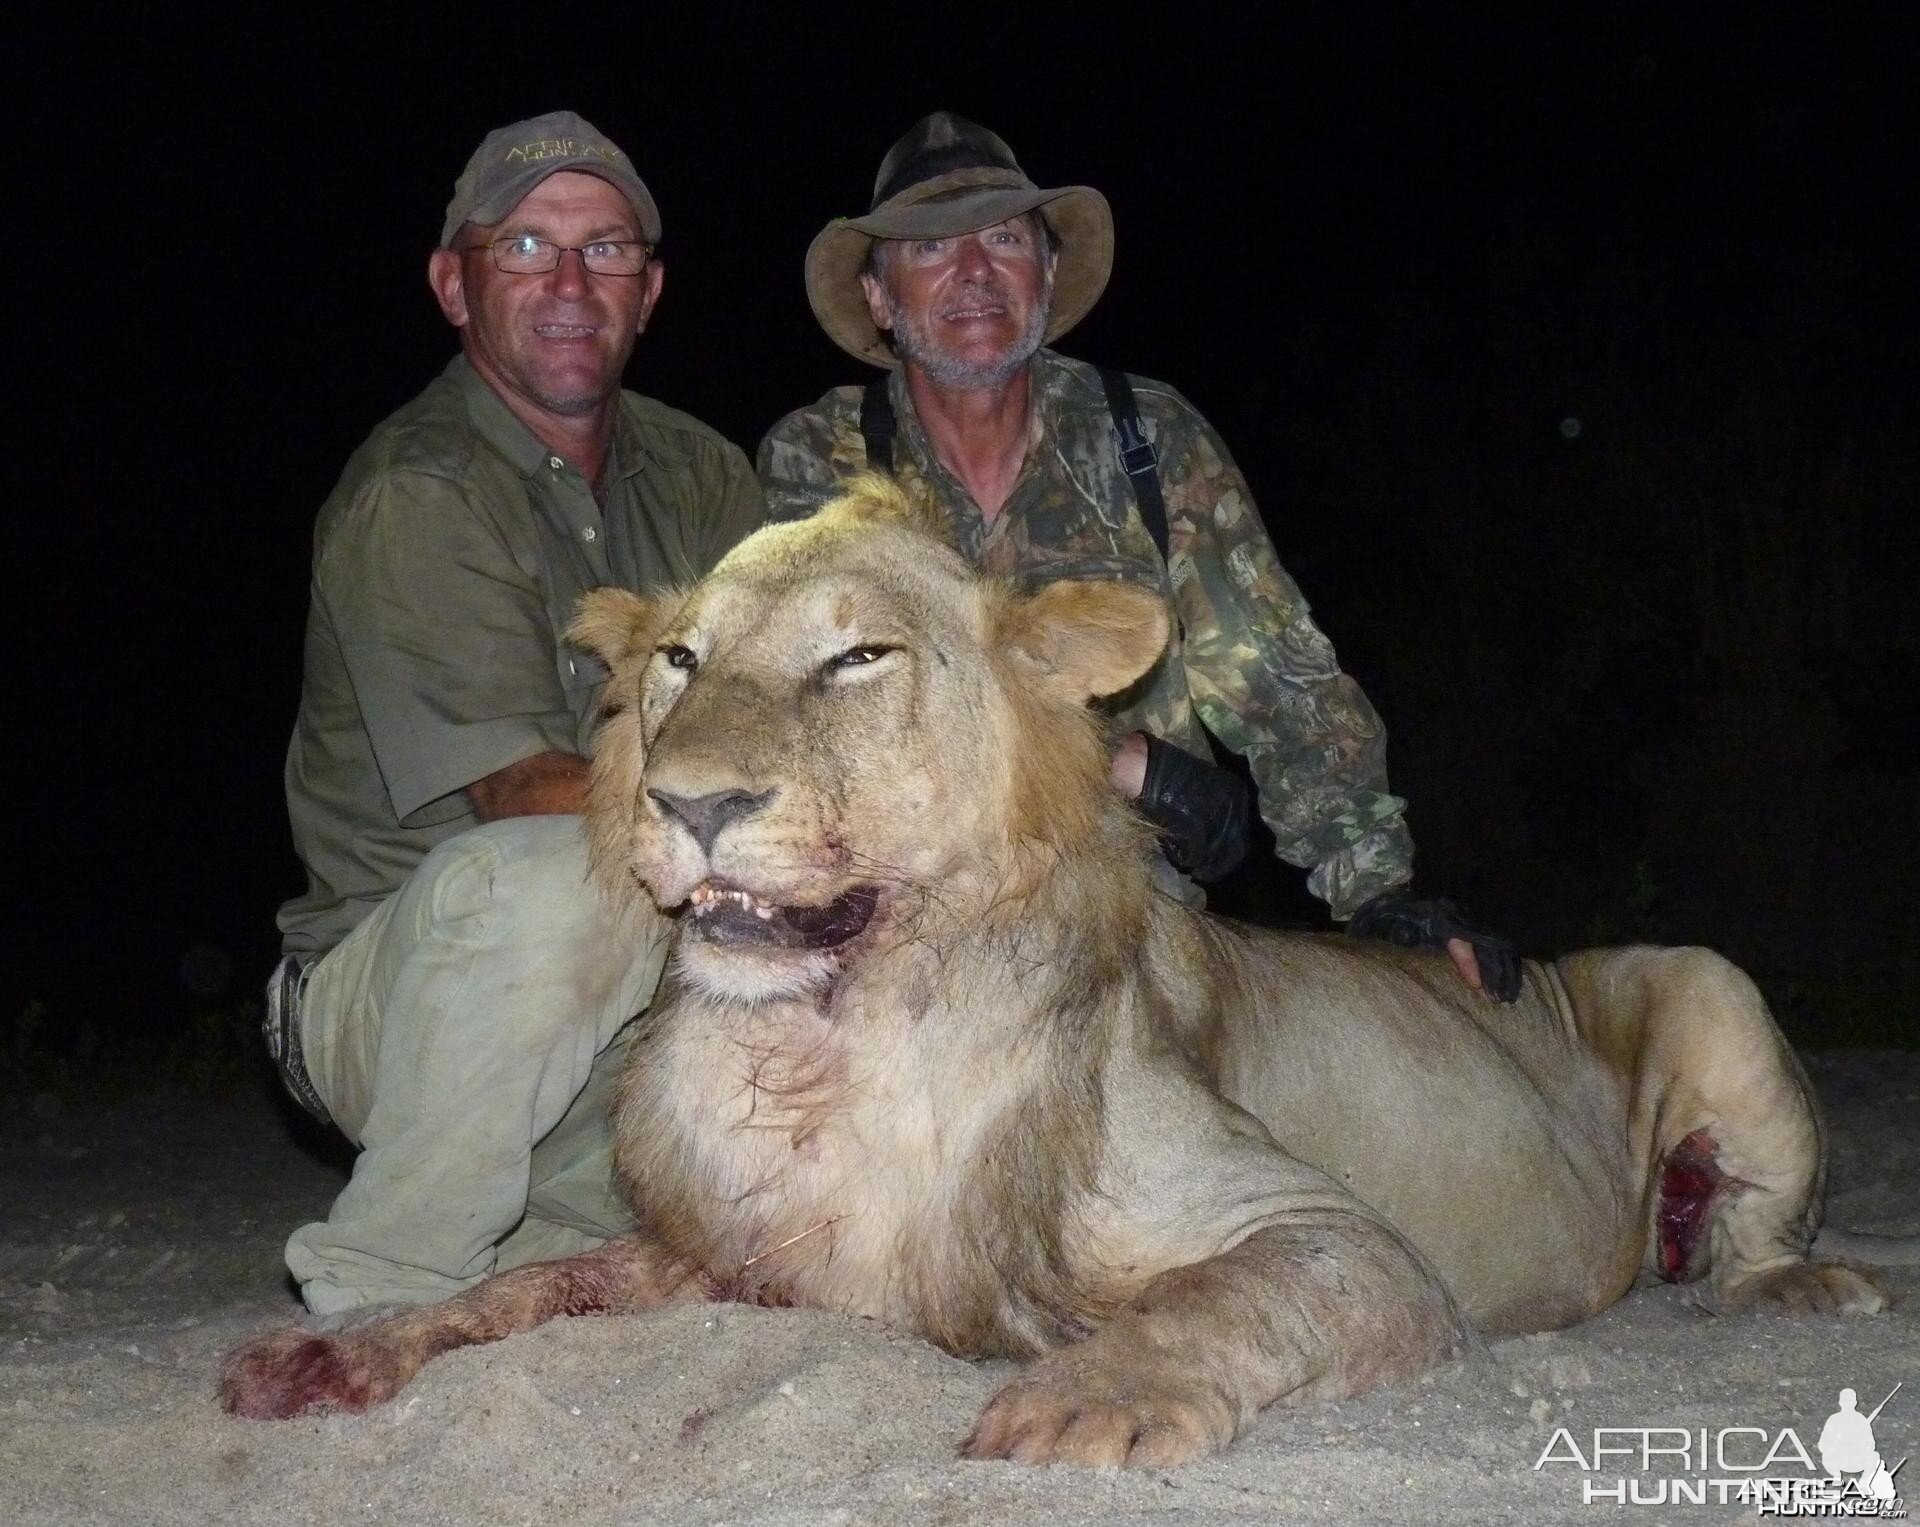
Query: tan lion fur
[
  {"x": 1042, "y": 761},
  {"x": 1031, "y": 1108}
]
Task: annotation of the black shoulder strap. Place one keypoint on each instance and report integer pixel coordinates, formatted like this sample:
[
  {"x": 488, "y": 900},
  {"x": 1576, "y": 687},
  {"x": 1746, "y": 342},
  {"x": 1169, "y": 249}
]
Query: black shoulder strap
[
  {"x": 1138, "y": 459},
  {"x": 878, "y": 425}
]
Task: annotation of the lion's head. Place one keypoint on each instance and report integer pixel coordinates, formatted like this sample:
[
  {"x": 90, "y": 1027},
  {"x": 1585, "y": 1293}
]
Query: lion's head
[{"x": 845, "y": 732}]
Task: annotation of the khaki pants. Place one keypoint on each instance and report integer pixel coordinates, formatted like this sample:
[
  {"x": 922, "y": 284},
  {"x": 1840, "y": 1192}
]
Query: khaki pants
[{"x": 467, "y": 1037}]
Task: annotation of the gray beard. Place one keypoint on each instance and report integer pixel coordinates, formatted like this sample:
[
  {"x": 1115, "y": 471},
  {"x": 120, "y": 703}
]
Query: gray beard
[{"x": 915, "y": 342}]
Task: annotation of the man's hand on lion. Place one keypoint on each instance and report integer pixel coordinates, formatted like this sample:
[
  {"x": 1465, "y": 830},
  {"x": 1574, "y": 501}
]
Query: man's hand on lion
[
  {"x": 1486, "y": 961},
  {"x": 1204, "y": 813}
]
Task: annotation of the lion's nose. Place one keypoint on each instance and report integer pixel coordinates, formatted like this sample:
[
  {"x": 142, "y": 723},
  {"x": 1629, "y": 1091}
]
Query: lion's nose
[{"x": 705, "y": 815}]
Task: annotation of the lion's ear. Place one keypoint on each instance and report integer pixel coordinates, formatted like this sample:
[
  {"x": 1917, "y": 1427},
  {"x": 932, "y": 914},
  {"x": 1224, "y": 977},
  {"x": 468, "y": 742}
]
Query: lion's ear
[
  {"x": 1089, "y": 638},
  {"x": 616, "y": 624},
  {"x": 872, "y": 498}
]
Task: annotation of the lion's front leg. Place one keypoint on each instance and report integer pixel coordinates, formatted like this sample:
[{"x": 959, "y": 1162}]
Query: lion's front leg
[
  {"x": 1295, "y": 1312},
  {"x": 287, "y": 1373}
]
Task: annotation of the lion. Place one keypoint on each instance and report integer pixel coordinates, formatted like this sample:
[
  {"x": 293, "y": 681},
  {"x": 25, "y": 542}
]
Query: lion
[{"x": 931, "y": 1049}]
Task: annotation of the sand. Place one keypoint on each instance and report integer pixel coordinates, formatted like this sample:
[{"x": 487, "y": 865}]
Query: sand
[{"x": 143, "y": 1239}]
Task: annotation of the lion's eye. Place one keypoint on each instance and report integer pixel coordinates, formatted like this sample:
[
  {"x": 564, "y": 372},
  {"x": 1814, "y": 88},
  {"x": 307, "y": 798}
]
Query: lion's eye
[
  {"x": 855, "y": 657},
  {"x": 678, "y": 656}
]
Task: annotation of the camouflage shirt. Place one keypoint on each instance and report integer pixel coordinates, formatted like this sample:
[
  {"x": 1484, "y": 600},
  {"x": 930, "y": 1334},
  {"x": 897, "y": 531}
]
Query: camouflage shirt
[{"x": 1245, "y": 658}]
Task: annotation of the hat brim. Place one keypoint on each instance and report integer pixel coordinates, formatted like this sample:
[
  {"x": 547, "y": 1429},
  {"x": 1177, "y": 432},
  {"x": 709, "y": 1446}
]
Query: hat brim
[
  {"x": 1079, "y": 216},
  {"x": 499, "y": 206}
]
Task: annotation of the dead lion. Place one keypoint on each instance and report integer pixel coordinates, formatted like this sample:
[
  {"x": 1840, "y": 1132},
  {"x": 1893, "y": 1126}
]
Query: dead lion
[{"x": 932, "y": 1051}]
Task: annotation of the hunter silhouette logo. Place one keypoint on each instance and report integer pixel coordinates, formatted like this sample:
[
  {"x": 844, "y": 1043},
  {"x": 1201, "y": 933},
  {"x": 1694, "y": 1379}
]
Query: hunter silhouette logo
[{"x": 1847, "y": 1452}]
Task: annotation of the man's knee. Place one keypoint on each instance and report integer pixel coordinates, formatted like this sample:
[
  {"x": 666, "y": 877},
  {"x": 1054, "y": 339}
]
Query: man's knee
[
  {"x": 539, "y": 859},
  {"x": 498, "y": 943},
  {"x": 555, "y": 845}
]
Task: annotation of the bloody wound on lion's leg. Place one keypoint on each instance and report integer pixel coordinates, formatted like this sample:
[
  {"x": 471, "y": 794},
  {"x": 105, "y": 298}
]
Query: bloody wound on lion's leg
[
  {"x": 291, "y": 1372},
  {"x": 287, "y": 1373},
  {"x": 1689, "y": 1178}
]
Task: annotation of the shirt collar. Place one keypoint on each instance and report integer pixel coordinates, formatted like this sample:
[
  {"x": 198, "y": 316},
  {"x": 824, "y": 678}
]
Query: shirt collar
[
  {"x": 494, "y": 421},
  {"x": 1045, "y": 383}
]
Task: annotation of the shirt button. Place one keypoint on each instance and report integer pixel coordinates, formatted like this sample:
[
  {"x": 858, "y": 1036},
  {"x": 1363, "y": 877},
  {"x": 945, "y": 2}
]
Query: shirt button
[
  {"x": 556, "y": 463},
  {"x": 589, "y": 532}
]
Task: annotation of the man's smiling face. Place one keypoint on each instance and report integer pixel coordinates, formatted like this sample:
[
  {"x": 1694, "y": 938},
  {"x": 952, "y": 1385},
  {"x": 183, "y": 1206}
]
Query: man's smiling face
[
  {"x": 970, "y": 310},
  {"x": 555, "y": 343}
]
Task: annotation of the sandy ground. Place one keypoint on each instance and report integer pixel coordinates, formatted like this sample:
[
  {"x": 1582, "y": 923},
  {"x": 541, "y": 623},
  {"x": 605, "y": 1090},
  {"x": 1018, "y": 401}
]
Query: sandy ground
[{"x": 141, "y": 1241}]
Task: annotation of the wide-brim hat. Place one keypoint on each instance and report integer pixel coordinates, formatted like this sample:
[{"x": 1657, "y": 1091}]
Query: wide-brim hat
[{"x": 946, "y": 177}]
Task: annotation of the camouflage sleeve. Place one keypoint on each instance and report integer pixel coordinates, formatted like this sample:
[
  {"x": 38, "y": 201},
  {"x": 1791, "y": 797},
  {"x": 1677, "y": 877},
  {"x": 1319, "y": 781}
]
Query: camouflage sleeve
[
  {"x": 1267, "y": 684},
  {"x": 807, "y": 453}
]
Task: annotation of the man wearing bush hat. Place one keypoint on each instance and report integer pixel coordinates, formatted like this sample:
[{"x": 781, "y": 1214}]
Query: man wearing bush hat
[
  {"x": 454, "y": 995},
  {"x": 955, "y": 282}
]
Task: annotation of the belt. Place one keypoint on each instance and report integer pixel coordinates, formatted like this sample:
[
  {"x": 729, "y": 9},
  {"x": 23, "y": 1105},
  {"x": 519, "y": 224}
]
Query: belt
[{"x": 281, "y": 1030}]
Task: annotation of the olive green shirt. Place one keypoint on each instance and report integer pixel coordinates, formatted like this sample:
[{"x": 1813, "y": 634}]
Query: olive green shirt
[
  {"x": 1245, "y": 657},
  {"x": 446, "y": 565}
]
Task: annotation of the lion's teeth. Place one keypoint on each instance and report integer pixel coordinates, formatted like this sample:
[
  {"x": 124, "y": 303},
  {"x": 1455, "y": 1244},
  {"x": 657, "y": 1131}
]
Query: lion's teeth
[{"x": 703, "y": 898}]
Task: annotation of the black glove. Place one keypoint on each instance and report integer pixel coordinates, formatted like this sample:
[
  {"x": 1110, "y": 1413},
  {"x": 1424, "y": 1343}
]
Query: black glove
[
  {"x": 1204, "y": 813},
  {"x": 1413, "y": 922}
]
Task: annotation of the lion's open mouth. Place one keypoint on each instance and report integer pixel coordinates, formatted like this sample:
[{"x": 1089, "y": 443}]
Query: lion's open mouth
[{"x": 725, "y": 915}]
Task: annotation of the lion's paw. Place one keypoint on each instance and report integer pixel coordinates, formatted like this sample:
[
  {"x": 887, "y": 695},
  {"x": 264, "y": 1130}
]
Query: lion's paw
[
  {"x": 1807, "y": 1288},
  {"x": 1062, "y": 1411},
  {"x": 292, "y": 1372}
]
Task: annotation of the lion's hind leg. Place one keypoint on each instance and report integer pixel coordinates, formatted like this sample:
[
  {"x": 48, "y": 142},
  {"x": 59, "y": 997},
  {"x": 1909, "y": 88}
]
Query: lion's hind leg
[
  {"x": 287, "y": 1373},
  {"x": 1695, "y": 1194},
  {"x": 1740, "y": 1151}
]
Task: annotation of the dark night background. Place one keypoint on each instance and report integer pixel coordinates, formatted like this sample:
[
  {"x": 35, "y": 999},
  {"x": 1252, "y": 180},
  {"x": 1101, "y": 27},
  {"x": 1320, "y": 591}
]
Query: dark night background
[{"x": 1570, "y": 357}]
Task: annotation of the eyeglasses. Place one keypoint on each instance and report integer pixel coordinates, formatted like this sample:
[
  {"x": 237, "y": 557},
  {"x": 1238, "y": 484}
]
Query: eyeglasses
[{"x": 524, "y": 255}]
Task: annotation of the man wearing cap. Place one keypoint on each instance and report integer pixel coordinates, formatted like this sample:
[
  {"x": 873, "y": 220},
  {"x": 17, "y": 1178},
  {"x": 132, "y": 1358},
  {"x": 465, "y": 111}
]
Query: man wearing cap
[
  {"x": 454, "y": 994},
  {"x": 956, "y": 280}
]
